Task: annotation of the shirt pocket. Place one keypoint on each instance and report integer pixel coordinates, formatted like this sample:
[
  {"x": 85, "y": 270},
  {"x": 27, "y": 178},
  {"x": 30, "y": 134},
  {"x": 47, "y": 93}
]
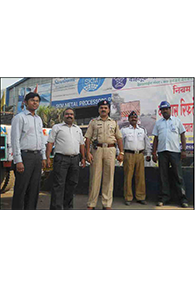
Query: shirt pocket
[
  {"x": 39, "y": 129},
  {"x": 25, "y": 127},
  {"x": 130, "y": 138},
  {"x": 111, "y": 130},
  {"x": 174, "y": 129},
  {"x": 99, "y": 130},
  {"x": 140, "y": 136}
]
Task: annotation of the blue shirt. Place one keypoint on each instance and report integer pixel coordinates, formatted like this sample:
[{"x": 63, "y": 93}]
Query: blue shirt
[
  {"x": 168, "y": 133},
  {"x": 26, "y": 134}
]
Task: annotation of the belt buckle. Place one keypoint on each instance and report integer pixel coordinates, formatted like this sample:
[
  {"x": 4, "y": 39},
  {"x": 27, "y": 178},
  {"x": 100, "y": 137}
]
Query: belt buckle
[
  {"x": 136, "y": 151},
  {"x": 104, "y": 145},
  {"x": 35, "y": 151}
]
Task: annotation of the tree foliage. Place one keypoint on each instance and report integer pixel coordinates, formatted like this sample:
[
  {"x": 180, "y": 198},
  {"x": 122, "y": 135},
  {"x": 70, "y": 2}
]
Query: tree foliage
[{"x": 50, "y": 115}]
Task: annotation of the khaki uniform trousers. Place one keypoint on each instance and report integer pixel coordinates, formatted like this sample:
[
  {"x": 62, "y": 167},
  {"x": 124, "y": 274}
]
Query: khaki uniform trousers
[
  {"x": 131, "y": 162},
  {"x": 103, "y": 166}
]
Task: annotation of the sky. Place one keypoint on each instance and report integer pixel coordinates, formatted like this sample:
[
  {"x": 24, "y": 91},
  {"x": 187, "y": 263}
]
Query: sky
[{"x": 6, "y": 82}]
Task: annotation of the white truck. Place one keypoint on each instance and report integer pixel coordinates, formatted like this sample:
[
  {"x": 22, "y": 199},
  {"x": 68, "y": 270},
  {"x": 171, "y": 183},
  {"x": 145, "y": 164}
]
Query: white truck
[{"x": 6, "y": 157}]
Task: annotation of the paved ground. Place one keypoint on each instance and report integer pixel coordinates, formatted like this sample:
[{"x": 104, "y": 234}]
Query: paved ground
[{"x": 80, "y": 203}]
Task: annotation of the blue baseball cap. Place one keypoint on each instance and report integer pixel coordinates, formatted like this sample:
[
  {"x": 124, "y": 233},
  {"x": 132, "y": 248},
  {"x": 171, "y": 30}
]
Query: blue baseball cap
[{"x": 164, "y": 104}]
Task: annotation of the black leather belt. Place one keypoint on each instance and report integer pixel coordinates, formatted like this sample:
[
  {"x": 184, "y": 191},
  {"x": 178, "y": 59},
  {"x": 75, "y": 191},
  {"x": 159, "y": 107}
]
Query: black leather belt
[
  {"x": 134, "y": 151},
  {"x": 73, "y": 155},
  {"x": 31, "y": 151}
]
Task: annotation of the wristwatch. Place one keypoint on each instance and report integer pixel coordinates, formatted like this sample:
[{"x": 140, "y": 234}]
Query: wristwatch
[
  {"x": 183, "y": 149},
  {"x": 121, "y": 152}
]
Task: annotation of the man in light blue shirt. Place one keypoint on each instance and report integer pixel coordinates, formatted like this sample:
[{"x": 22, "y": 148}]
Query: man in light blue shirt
[
  {"x": 167, "y": 134},
  {"x": 28, "y": 154}
]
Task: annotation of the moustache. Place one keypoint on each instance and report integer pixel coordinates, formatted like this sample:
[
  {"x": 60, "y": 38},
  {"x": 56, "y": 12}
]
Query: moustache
[{"x": 69, "y": 118}]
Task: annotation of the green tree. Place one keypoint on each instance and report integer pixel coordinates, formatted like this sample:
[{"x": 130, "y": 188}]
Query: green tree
[{"x": 50, "y": 115}]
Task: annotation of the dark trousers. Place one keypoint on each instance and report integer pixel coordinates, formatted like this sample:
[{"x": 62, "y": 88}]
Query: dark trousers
[
  {"x": 65, "y": 180},
  {"x": 27, "y": 184},
  {"x": 165, "y": 159}
]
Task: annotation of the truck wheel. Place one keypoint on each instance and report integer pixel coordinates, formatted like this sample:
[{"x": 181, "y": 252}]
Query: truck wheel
[{"x": 8, "y": 181}]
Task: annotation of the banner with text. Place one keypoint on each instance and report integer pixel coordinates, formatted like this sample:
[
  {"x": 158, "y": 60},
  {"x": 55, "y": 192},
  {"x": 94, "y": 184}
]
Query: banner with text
[
  {"x": 144, "y": 95},
  {"x": 70, "y": 91}
]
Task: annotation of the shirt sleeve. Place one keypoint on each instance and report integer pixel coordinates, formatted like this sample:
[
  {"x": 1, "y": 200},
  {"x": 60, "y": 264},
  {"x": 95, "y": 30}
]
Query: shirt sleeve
[
  {"x": 123, "y": 136},
  {"x": 155, "y": 130},
  {"x": 16, "y": 131},
  {"x": 81, "y": 137},
  {"x": 52, "y": 136},
  {"x": 43, "y": 147},
  {"x": 181, "y": 128},
  {"x": 147, "y": 143},
  {"x": 118, "y": 132},
  {"x": 89, "y": 131}
]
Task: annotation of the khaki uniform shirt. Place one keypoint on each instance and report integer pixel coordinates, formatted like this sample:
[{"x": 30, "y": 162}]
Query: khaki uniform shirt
[{"x": 104, "y": 131}]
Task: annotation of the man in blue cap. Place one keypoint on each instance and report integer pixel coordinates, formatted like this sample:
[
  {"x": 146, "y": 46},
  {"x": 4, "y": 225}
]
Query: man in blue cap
[{"x": 167, "y": 134}]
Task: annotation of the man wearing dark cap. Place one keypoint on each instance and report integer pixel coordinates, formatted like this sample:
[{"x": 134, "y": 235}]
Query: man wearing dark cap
[
  {"x": 28, "y": 153},
  {"x": 167, "y": 134},
  {"x": 135, "y": 141},
  {"x": 103, "y": 133}
]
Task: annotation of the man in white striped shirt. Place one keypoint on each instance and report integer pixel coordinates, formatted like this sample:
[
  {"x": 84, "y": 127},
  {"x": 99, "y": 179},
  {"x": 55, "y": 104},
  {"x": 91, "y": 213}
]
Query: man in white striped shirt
[{"x": 28, "y": 153}]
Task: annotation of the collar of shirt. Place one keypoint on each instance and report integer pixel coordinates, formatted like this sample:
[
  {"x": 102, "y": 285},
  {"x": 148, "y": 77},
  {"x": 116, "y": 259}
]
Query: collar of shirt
[
  {"x": 131, "y": 127},
  {"x": 27, "y": 112},
  {"x": 65, "y": 124},
  {"x": 170, "y": 118},
  {"x": 108, "y": 118}
]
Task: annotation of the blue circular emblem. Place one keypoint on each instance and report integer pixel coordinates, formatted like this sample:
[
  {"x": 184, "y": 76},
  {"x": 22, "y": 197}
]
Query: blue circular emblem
[
  {"x": 119, "y": 83},
  {"x": 91, "y": 84}
]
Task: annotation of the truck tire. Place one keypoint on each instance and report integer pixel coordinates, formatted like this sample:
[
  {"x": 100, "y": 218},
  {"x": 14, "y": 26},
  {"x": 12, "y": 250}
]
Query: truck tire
[{"x": 8, "y": 181}]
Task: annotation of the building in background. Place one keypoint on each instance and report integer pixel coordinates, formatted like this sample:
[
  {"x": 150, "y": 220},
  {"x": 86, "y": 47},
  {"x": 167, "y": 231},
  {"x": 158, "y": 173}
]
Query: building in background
[{"x": 141, "y": 94}]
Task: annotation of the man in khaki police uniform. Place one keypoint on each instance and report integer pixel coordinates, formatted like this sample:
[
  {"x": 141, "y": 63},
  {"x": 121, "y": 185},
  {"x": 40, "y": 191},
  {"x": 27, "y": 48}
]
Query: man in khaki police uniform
[
  {"x": 103, "y": 132},
  {"x": 135, "y": 141}
]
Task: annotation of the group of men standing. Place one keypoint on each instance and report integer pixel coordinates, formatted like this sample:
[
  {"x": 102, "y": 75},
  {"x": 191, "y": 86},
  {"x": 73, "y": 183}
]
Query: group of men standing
[{"x": 102, "y": 137}]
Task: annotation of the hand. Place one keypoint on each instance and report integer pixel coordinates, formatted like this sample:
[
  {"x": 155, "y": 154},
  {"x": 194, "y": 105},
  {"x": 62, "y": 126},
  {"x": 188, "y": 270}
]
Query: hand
[
  {"x": 48, "y": 162},
  {"x": 154, "y": 157},
  {"x": 183, "y": 154},
  {"x": 120, "y": 157},
  {"x": 148, "y": 158},
  {"x": 83, "y": 163},
  {"x": 89, "y": 157},
  {"x": 43, "y": 163},
  {"x": 20, "y": 167}
]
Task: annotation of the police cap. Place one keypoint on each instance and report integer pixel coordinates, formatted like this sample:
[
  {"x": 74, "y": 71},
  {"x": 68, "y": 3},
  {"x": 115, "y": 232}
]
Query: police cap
[
  {"x": 102, "y": 103},
  {"x": 133, "y": 113}
]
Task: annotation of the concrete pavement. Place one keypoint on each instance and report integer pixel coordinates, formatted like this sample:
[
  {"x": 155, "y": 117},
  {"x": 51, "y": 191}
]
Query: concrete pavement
[{"x": 80, "y": 203}]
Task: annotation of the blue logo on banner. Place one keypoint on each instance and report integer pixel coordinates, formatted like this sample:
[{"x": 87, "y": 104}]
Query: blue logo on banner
[
  {"x": 119, "y": 83},
  {"x": 89, "y": 84}
]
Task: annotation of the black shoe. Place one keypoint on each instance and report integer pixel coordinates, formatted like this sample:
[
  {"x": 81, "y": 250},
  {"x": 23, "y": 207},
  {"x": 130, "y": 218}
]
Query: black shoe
[
  {"x": 128, "y": 202},
  {"x": 184, "y": 204},
  {"x": 142, "y": 202}
]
